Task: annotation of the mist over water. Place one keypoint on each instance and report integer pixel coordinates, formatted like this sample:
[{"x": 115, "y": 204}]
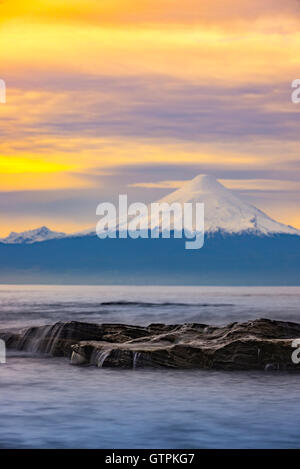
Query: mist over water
[
  {"x": 47, "y": 403},
  {"x": 25, "y": 305}
]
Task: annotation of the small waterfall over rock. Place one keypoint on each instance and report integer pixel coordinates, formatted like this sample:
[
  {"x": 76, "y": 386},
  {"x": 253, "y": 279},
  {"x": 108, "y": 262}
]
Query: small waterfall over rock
[
  {"x": 40, "y": 339},
  {"x": 113, "y": 357},
  {"x": 98, "y": 357},
  {"x": 55, "y": 339},
  {"x": 136, "y": 356},
  {"x": 102, "y": 357}
]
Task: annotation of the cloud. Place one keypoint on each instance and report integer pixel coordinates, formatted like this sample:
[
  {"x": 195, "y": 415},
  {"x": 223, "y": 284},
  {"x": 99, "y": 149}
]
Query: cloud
[
  {"x": 158, "y": 185},
  {"x": 141, "y": 92},
  {"x": 233, "y": 184},
  {"x": 143, "y": 12},
  {"x": 265, "y": 185},
  {"x": 78, "y": 114}
]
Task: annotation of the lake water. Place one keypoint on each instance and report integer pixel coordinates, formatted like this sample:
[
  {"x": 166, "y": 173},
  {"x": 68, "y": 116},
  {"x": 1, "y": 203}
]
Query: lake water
[{"x": 47, "y": 403}]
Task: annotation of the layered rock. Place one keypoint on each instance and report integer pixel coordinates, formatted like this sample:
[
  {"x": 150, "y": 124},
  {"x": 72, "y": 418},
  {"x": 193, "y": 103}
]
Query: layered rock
[
  {"x": 254, "y": 345},
  {"x": 58, "y": 338}
]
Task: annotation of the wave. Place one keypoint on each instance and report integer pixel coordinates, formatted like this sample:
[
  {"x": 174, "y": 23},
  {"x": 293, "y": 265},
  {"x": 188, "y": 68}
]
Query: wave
[
  {"x": 156, "y": 304},
  {"x": 37, "y": 308}
]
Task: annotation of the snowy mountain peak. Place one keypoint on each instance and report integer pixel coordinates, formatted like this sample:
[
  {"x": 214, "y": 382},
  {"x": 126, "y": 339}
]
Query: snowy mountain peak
[
  {"x": 32, "y": 236},
  {"x": 199, "y": 187},
  {"x": 225, "y": 211},
  {"x": 202, "y": 182}
]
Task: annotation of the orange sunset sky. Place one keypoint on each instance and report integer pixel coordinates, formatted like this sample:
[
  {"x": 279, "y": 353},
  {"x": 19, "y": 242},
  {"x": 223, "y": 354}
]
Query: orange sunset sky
[{"x": 134, "y": 96}]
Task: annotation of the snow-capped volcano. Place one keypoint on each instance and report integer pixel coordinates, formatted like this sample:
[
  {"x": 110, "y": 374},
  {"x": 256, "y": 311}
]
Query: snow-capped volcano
[
  {"x": 239, "y": 249},
  {"x": 224, "y": 211},
  {"x": 32, "y": 236}
]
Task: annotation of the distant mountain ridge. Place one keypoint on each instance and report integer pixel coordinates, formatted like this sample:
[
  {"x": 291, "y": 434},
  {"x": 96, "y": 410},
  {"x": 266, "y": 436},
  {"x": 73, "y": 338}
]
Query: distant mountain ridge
[
  {"x": 224, "y": 212},
  {"x": 243, "y": 246},
  {"x": 225, "y": 259},
  {"x": 32, "y": 236}
]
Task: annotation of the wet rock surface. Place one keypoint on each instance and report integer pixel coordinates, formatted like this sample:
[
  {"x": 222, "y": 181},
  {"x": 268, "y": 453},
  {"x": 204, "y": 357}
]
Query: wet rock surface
[{"x": 254, "y": 345}]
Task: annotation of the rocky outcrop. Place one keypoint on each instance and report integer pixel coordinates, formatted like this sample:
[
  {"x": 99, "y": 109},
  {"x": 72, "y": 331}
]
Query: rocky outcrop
[
  {"x": 58, "y": 338},
  {"x": 255, "y": 345}
]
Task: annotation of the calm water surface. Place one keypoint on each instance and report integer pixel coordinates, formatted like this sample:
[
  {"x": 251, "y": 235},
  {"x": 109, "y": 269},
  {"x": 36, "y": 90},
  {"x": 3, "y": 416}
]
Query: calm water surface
[{"x": 47, "y": 403}]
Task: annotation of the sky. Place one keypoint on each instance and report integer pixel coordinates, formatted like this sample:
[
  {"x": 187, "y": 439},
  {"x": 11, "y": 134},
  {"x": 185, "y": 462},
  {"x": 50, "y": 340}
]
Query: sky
[{"x": 137, "y": 96}]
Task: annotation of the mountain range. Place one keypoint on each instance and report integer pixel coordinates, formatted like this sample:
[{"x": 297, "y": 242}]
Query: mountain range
[{"x": 243, "y": 246}]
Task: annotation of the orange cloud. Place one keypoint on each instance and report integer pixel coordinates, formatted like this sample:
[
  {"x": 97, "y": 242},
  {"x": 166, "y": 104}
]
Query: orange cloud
[
  {"x": 202, "y": 55},
  {"x": 128, "y": 12},
  {"x": 224, "y": 44},
  {"x": 40, "y": 181},
  {"x": 19, "y": 165}
]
